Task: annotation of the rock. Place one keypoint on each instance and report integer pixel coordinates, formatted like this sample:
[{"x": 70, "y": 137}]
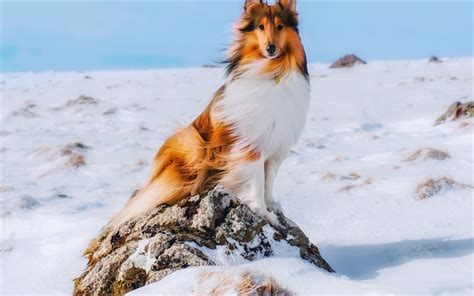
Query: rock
[
  {"x": 26, "y": 202},
  {"x": 77, "y": 146},
  {"x": 434, "y": 59},
  {"x": 420, "y": 79},
  {"x": 210, "y": 66},
  {"x": 432, "y": 187},
  {"x": 110, "y": 111},
  {"x": 456, "y": 111},
  {"x": 88, "y": 205},
  {"x": 27, "y": 111},
  {"x": 60, "y": 196},
  {"x": 426, "y": 154},
  {"x": 143, "y": 128},
  {"x": 81, "y": 101},
  {"x": 22, "y": 202},
  {"x": 73, "y": 148},
  {"x": 103, "y": 277},
  {"x": 348, "y": 61},
  {"x": 75, "y": 154},
  {"x": 193, "y": 232}
]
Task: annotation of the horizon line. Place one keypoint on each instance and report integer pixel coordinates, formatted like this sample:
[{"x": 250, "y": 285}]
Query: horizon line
[{"x": 214, "y": 65}]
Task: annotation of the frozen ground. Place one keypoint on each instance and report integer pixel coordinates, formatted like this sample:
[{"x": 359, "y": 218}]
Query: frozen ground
[{"x": 365, "y": 121}]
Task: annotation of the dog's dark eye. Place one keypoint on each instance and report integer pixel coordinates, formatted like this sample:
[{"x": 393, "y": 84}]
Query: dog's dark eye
[
  {"x": 280, "y": 27},
  {"x": 262, "y": 27}
]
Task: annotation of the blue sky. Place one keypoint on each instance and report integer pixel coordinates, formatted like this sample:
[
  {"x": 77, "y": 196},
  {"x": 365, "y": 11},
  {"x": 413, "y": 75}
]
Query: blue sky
[{"x": 80, "y": 35}]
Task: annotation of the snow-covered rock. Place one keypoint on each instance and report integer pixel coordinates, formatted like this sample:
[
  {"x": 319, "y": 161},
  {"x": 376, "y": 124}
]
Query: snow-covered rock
[
  {"x": 427, "y": 154},
  {"x": 431, "y": 187},
  {"x": 348, "y": 61},
  {"x": 457, "y": 110},
  {"x": 435, "y": 59},
  {"x": 23, "y": 202},
  {"x": 212, "y": 229}
]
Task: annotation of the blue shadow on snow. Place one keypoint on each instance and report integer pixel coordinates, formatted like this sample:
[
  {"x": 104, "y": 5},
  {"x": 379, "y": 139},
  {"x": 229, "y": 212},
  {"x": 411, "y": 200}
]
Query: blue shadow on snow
[{"x": 361, "y": 262}]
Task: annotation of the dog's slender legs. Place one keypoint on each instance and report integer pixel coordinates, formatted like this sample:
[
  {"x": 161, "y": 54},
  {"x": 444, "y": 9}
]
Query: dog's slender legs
[
  {"x": 253, "y": 190},
  {"x": 271, "y": 168},
  {"x": 257, "y": 185},
  {"x": 256, "y": 195}
]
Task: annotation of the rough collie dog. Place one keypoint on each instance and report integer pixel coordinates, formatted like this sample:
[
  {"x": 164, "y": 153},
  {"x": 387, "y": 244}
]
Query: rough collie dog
[{"x": 248, "y": 128}]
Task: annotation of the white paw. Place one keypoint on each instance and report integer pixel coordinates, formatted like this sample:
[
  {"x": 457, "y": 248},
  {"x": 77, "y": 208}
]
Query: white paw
[
  {"x": 274, "y": 206},
  {"x": 271, "y": 217}
]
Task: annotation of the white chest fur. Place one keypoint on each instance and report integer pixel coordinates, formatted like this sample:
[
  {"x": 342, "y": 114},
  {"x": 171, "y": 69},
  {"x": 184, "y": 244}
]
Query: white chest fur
[{"x": 267, "y": 115}]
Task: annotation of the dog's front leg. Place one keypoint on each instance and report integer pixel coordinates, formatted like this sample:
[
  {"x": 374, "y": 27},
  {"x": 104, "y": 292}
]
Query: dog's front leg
[
  {"x": 257, "y": 186},
  {"x": 257, "y": 196},
  {"x": 271, "y": 169}
]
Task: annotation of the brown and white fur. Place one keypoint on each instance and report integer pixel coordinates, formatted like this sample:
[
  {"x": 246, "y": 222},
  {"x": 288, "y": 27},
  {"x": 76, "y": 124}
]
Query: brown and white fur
[{"x": 248, "y": 128}]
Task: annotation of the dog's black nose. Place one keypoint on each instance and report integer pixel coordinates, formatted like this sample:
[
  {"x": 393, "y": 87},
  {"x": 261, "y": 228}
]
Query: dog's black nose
[{"x": 271, "y": 49}]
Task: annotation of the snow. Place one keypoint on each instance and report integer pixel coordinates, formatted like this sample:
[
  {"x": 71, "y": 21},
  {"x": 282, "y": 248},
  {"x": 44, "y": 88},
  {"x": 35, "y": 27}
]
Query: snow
[{"x": 374, "y": 231}]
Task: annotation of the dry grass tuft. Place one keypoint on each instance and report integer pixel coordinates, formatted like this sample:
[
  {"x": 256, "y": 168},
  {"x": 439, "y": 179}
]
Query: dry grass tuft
[
  {"x": 426, "y": 154},
  {"x": 329, "y": 177},
  {"x": 431, "y": 187},
  {"x": 457, "y": 110},
  {"x": 81, "y": 101},
  {"x": 349, "y": 187},
  {"x": 76, "y": 160},
  {"x": 246, "y": 283},
  {"x": 332, "y": 177}
]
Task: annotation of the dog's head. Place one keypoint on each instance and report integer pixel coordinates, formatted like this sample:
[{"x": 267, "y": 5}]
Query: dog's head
[
  {"x": 268, "y": 32},
  {"x": 270, "y": 28}
]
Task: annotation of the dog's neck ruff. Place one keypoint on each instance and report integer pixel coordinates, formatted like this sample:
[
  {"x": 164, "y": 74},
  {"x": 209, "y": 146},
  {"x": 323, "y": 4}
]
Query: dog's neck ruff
[{"x": 267, "y": 111}]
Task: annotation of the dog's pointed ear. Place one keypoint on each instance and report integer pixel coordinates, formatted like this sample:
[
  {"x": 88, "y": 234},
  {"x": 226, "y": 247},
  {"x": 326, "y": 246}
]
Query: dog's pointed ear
[
  {"x": 288, "y": 4},
  {"x": 248, "y": 3}
]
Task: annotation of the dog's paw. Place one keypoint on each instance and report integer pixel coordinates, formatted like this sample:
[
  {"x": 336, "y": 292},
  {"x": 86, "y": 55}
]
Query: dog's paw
[
  {"x": 272, "y": 218},
  {"x": 274, "y": 206}
]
